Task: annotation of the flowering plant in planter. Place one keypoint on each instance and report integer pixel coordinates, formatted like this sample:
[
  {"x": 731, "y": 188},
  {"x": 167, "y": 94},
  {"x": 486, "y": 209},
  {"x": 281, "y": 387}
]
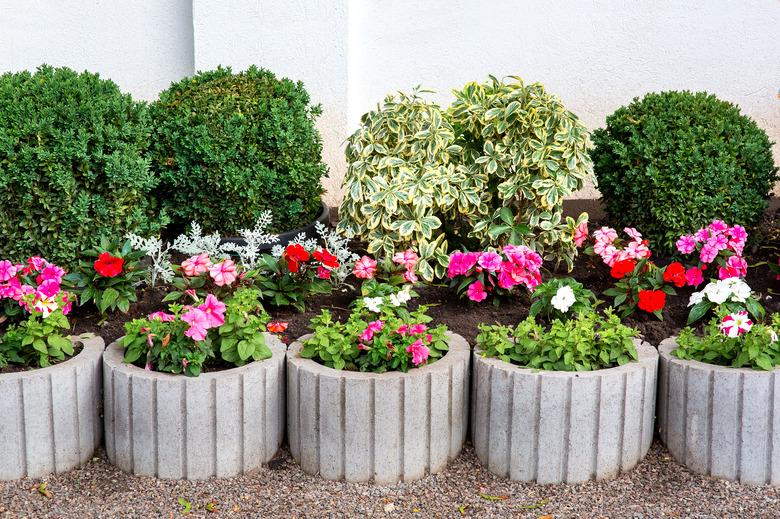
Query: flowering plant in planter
[
  {"x": 478, "y": 274},
  {"x": 109, "y": 277},
  {"x": 187, "y": 337},
  {"x": 200, "y": 275},
  {"x": 717, "y": 243},
  {"x": 643, "y": 285},
  {"x": 381, "y": 334},
  {"x": 561, "y": 298},
  {"x": 34, "y": 319},
  {"x": 588, "y": 342},
  {"x": 733, "y": 339},
  {"x": 724, "y": 296}
]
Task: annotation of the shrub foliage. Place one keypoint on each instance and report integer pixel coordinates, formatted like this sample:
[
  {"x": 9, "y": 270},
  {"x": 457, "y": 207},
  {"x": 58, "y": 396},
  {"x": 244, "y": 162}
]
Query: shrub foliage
[
  {"x": 674, "y": 161},
  {"x": 229, "y": 146},
  {"x": 71, "y": 164}
]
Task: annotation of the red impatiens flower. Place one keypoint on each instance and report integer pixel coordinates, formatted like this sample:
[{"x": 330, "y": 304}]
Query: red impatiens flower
[
  {"x": 652, "y": 300},
  {"x": 294, "y": 254},
  {"x": 276, "y": 326},
  {"x": 327, "y": 259},
  {"x": 622, "y": 267},
  {"x": 109, "y": 266},
  {"x": 675, "y": 273}
]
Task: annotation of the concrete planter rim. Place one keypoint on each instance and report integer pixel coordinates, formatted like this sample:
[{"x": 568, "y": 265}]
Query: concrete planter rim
[
  {"x": 645, "y": 350},
  {"x": 315, "y": 367},
  {"x": 89, "y": 348},
  {"x": 668, "y": 345},
  {"x": 114, "y": 357}
]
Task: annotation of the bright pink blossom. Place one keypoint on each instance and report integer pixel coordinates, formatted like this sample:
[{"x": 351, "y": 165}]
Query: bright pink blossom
[
  {"x": 581, "y": 234},
  {"x": 718, "y": 242},
  {"x": 36, "y": 263},
  {"x": 323, "y": 272},
  {"x": 718, "y": 226},
  {"x": 686, "y": 244},
  {"x": 214, "y": 310},
  {"x": 490, "y": 261},
  {"x": 407, "y": 258},
  {"x": 373, "y": 328},
  {"x": 199, "y": 324},
  {"x": 461, "y": 263},
  {"x": 417, "y": 329},
  {"x": 48, "y": 289},
  {"x": 196, "y": 265},
  {"x": 410, "y": 276},
  {"x": 161, "y": 316},
  {"x": 52, "y": 272},
  {"x": 694, "y": 277},
  {"x": 708, "y": 253},
  {"x": 476, "y": 292},
  {"x": 736, "y": 267},
  {"x": 365, "y": 268},
  {"x": 419, "y": 352},
  {"x": 7, "y": 270},
  {"x": 605, "y": 235},
  {"x": 633, "y": 233},
  {"x": 637, "y": 250},
  {"x": 738, "y": 233},
  {"x": 402, "y": 330},
  {"x": 223, "y": 273}
]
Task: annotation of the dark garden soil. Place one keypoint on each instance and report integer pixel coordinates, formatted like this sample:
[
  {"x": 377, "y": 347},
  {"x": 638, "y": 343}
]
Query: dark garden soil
[{"x": 463, "y": 317}]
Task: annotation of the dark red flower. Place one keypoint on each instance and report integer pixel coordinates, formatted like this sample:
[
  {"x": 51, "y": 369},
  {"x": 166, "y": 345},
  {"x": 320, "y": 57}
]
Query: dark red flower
[
  {"x": 294, "y": 254},
  {"x": 675, "y": 273},
  {"x": 108, "y": 266},
  {"x": 326, "y": 258},
  {"x": 622, "y": 267},
  {"x": 651, "y": 300}
]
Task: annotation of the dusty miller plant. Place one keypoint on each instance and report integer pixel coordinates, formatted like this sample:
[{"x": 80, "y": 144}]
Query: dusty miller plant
[
  {"x": 159, "y": 254},
  {"x": 249, "y": 253}
]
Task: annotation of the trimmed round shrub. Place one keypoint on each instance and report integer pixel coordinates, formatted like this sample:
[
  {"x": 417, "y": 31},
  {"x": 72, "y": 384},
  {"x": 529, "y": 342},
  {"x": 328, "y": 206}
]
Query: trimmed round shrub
[
  {"x": 671, "y": 162},
  {"x": 71, "y": 164},
  {"x": 229, "y": 146}
]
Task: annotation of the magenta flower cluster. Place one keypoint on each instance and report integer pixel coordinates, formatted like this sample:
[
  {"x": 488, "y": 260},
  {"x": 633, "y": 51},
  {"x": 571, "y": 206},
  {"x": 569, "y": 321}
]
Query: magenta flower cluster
[
  {"x": 201, "y": 318},
  {"x": 417, "y": 333},
  {"x": 514, "y": 265},
  {"x": 36, "y": 286},
  {"x": 718, "y": 239}
]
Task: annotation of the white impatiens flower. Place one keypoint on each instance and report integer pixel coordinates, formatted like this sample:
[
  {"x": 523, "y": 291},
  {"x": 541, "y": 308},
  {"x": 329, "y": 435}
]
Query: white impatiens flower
[
  {"x": 719, "y": 292},
  {"x": 696, "y": 298},
  {"x": 373, "y": 303},
  {"x": 740, "y": 290},
  {"x": 563, "y": 299},
  {"x": 400, "y": 298}
]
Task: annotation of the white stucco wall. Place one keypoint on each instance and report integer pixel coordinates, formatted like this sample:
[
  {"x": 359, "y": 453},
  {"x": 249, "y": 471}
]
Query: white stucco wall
[
  {"x": 595, "y": 55},
  {"x": 142, "y": 45}
]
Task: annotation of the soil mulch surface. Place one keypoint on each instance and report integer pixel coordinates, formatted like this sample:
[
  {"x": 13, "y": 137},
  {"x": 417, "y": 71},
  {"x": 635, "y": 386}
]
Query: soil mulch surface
[{"x": 658, "y": 487}]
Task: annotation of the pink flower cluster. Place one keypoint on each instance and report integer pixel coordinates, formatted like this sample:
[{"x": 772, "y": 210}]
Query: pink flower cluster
[
  {"x": 35, "y": 286},
  {"x": 611, "y": 249},
  {"x": 418, "y": 348},
  {"x": 515, "y": 265},
  {"x": 718, "y": 239},
  {"x": 223, "y": 273},
  {"x": 408, "y": 260},
  {"x": 210, "y": 314}
]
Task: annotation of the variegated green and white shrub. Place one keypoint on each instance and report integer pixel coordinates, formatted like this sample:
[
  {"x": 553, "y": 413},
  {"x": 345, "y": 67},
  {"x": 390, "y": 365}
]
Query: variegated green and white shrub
[
  {"x": 527, "y": 152},
  {"x": 494, "y": 168}
]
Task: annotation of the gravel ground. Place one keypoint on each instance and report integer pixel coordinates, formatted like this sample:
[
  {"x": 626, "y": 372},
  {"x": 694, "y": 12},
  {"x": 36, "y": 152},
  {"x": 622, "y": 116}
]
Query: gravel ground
[{"x": 657, "y": 488}]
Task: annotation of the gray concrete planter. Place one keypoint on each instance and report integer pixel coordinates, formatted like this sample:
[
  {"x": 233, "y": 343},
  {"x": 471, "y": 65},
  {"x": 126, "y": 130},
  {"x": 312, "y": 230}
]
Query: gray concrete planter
[
  {"x": 563, "y": 427},
  {"x": 720, "y": 421},
  {"x": 50, "y": 417},
  {"x": 384, "y": 427},
  {"x": 219, "y": 424}
]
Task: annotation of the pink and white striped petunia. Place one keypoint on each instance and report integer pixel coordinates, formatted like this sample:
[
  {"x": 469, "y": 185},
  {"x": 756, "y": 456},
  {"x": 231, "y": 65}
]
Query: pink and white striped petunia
[{"x": 736, "y": 324}]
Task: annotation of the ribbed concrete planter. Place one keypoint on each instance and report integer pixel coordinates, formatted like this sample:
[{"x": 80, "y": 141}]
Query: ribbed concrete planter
[
  {"x": 383, "y": 427},
  {"x": 50, "y": 417},
  {"x": 720, "y": 421},
  {"x": 563, "y": 427},
  {"x": 219, "y": 424}
]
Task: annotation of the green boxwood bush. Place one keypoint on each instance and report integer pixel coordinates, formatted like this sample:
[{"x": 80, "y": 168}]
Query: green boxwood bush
[
  {"x": 229, "y": 146},
  {"x": 673, "y": 161},
  {"x": 71, "y": 164}
]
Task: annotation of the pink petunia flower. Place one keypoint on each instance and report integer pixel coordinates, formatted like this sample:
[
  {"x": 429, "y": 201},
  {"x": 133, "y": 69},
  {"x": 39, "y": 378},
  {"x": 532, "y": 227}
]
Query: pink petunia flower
[
  {"x": 694, "y": 277},
  {"x": 52, "y": 272},
  {"x": 48, "y": 289},
  {"x": 223, "y": 273},
  {"x": 736, "y": 324},
  {"x": 36, "y": 263},
  {"x": 490, "y": 261},
  {"x": 718, "y": 226},
  {"x": 373, "y": 328},
  {"x": 214, "y": 310},
  {"x": 708, "y": 253},
  {"x": 736, "y": 267},
  {"x": 417, "y": 329},
  {"x": 476, "y": 292},
  {"x": 686, "y": 244},
  {"x": 580, "y": 234},
  {"x": 196, "y": 265},
  {"x": 402, "y": 330},
  {"x": 199, "y": 324},
  {"x": 365, "y": 268},
  {"x": 461, "y": 263},
  {"x": 161, "y": 316},
  {"x": 419, "y": 352},
  {"x": 7, "y": 270}
]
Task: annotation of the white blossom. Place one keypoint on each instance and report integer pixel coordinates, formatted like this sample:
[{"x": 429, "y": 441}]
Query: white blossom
[
  {"x": 563, "y": 299},
  {"x": 373, "y": 303}
]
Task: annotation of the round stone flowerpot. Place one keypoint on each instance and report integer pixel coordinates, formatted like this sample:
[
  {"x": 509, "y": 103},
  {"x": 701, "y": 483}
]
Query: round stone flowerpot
[
  {"x": 50, "y": 417},
  {"x": 563, "y": 427},
  {"x": 385, "y": 427},
  {"x": 720, "y": 421},
  {"x": 222, "y": 423}
]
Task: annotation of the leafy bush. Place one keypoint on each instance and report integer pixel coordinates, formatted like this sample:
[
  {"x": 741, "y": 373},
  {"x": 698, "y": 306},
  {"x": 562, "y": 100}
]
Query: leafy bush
[
  {"x": 752, "y": 345},
  {"x": 492, "y": 170},
  {"x": 229, "y": 146},
  {"x": 673, "y": 161},
  {"x": 71, "y": 164},
  {"x": 588, "y": 342}
]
